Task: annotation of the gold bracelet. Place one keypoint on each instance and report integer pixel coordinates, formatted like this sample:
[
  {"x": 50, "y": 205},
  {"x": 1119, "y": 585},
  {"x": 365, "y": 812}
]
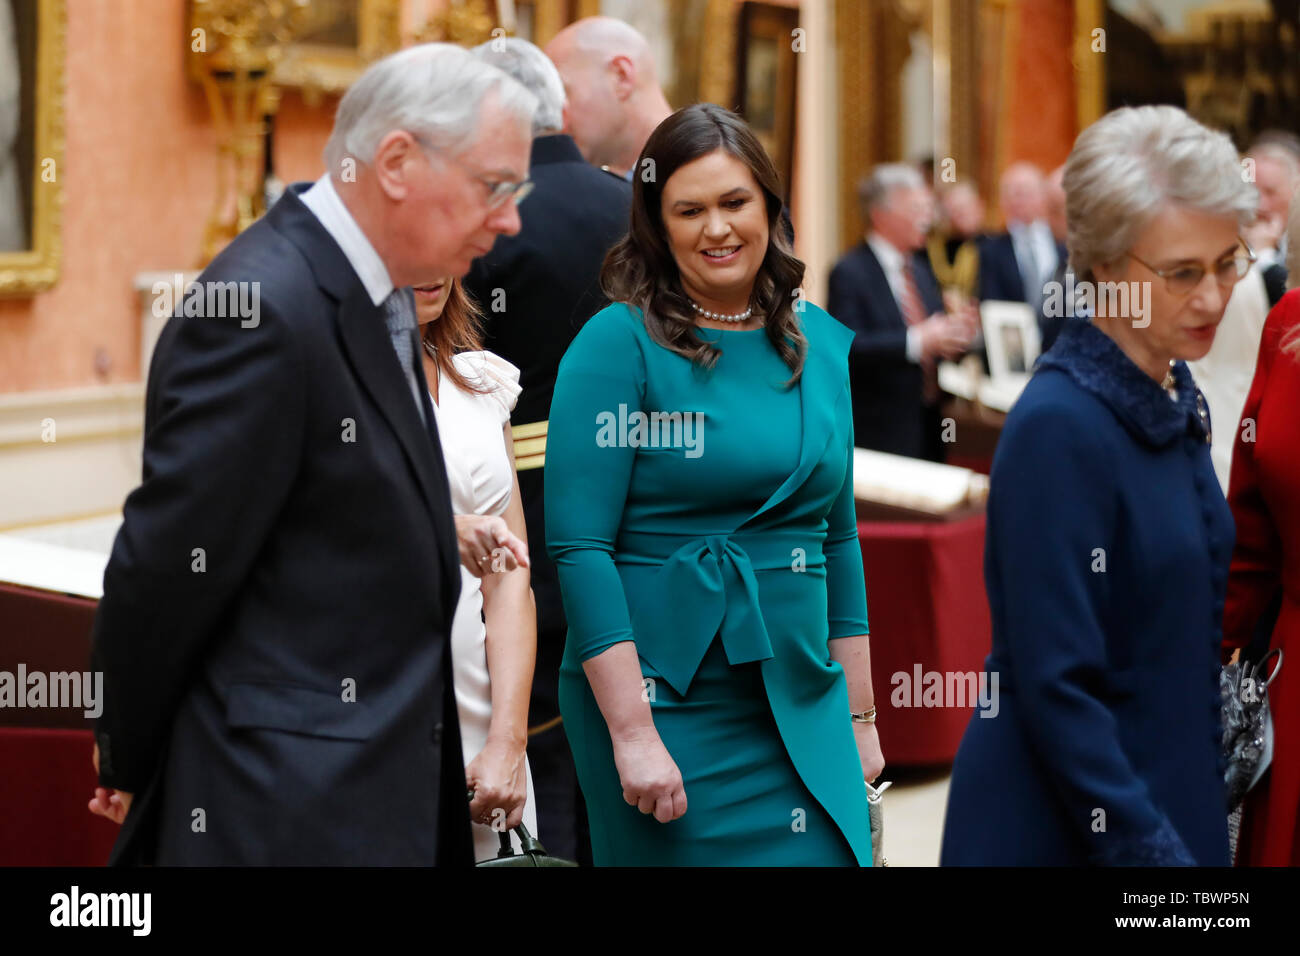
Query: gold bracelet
[{"x": 866, "y": 717}]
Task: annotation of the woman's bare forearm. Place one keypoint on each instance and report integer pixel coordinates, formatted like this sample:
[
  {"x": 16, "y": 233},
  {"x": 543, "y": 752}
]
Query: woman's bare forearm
[
  {"x": 615, "y": 678},
  {"x": 854, "y": 655},
  {"x": 510, "y": 614}
]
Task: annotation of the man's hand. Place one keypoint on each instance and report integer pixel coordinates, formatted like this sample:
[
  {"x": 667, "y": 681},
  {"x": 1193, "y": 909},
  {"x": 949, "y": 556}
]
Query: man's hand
[
  {"x": 1265, "y": 232},
  {"x": 488, "y": 545},
  {"x": 114, "y": 804},
  {"x": 944, "y": 336}
]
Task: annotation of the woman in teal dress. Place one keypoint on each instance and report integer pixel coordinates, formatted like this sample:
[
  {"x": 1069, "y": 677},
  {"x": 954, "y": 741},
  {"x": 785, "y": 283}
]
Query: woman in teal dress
[{"x": 716, "y": 687}]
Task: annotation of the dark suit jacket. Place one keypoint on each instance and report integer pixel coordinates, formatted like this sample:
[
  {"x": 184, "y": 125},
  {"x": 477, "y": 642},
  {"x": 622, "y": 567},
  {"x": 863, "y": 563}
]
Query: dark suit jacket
[
  {"x": 292, "y": 454},
  {"x": 999, "y": 271},
  {"x": 549, "y": 276},
  {"x": 1275, "y": 283},
  {"x": 1000, "y": 281},
  {"x": 888, "y": 412}
]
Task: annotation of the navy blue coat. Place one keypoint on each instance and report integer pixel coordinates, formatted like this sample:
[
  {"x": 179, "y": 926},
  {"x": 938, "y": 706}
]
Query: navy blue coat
[
  {"x": 1105, "y": 563},
  {"x": 888, "y": 388}
]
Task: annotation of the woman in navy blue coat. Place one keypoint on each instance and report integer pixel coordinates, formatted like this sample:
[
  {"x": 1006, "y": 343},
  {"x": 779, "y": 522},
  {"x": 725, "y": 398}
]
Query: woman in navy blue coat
[{"x": 1108, "y": 535}]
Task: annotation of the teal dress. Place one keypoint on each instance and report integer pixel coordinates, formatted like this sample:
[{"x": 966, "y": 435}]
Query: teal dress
[{"x": 708, "y": 517}]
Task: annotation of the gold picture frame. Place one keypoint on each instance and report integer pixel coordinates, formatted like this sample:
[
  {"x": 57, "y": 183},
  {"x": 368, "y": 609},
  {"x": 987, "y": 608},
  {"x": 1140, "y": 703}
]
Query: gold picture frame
[
  {"x": 318, "y": 67},
  {"x": 344, "y": 37},
  {"x": 765, "y": 79},
  {"x": 1230, "y": 66},
  {"x": 40, "y": 40}
]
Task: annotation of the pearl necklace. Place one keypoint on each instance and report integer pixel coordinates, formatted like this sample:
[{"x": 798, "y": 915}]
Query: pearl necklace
[{"x": 721, "y": 317}]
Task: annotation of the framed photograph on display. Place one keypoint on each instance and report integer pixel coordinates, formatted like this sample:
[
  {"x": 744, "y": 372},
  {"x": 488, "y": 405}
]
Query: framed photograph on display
[{"x": 1011, "y": 338}]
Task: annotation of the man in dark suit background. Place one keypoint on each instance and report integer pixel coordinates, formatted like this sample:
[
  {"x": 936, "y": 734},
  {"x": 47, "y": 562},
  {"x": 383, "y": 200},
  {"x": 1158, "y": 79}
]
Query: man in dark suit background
[
  {"x": 537, "y": 289},
  {"x": 1276, "y": 158},
  {"x": 1050, "y": 325},
  {"x": 274, "y": 631},
  {"x": 885, "y": 291}
]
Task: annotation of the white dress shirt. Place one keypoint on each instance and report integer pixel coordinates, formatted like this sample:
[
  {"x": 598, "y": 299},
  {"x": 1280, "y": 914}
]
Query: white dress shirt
[
  {"x": 325, "y": 204},
  {"x": 1034, "y": 239},
  {"x": 891, "y": 261}
]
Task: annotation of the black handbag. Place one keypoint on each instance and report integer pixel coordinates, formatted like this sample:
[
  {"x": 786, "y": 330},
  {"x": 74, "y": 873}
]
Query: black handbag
[
  {"x": 532, "y": 853},
  {"x": 1247, "y": 724}
]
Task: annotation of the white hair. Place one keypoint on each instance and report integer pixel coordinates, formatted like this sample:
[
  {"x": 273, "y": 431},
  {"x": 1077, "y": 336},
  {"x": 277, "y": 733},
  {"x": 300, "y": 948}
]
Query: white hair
[
  {"x": 527, "y": 65},
  {"x": 876, "y": 188},
  {"x": 1128, "y": 165},
  {"x": 434, "y": 90}
]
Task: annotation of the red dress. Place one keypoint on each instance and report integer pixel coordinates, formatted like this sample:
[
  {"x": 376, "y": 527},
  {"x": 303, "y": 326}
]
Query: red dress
[{"x": 1264, "y": 494}]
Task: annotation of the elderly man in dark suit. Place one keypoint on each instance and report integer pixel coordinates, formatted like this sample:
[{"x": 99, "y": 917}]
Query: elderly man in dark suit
[
  {"x": 274, "y": 628},
  {"x": 537, "y": 289},
  {"x": 884, "y": 290},
  {"x": 1015, "y": 265}
]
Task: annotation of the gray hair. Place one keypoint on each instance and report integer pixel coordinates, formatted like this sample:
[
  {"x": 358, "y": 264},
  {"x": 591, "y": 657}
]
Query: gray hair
[
  {"x": 875, "y": 189},
  {"x": 433, "y": 90},
  {"x": 527, "y": 65},
  {"x": 1277, "y": 152},
  {"x": 1132, "y": 162}
]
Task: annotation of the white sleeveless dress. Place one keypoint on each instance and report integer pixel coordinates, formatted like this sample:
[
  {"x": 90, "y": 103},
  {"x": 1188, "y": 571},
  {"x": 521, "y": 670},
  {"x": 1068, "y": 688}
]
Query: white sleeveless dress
[{"x": 478, "y": 471}]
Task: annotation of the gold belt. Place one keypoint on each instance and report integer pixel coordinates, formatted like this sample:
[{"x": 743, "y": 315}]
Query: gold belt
[{"x": 530, "y": 445}]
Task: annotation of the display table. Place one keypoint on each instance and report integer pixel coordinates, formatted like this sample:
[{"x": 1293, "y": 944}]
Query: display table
[
  {"x": 976, "y": 430},
  {"x": 45, "y": 784},
  {"x": 928, "y": 613},
  {"x": 46, "y": 777},
  {"x": 926, "y": 606}
]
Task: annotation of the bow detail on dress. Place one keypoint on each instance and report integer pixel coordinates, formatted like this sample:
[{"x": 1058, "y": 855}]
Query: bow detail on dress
[{"x": 705, "y": 588}]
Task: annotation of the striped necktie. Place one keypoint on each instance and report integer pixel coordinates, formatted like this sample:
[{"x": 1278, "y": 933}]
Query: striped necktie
[
  {"x": 399, "y": 317},
  {"x": 913, "y": 310}
]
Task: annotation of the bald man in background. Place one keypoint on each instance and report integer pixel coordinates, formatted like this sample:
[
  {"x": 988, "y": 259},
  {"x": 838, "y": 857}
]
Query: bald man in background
[{"x": 614, "y": 97}]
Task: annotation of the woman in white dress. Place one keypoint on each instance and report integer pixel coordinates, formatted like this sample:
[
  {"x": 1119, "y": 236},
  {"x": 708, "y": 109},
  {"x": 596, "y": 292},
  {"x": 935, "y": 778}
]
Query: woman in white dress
[{"x": 494, "y": 633}]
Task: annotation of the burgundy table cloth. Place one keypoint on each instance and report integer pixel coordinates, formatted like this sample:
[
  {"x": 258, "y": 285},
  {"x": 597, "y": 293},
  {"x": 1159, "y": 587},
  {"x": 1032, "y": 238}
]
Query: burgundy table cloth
[{"x": 928, "y": 614}]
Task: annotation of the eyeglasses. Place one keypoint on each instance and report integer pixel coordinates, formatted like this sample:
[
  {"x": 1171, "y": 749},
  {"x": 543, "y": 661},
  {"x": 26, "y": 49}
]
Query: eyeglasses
[
  {"x": 499, "y": 193},
  {"x": 1184, "y": 279}
]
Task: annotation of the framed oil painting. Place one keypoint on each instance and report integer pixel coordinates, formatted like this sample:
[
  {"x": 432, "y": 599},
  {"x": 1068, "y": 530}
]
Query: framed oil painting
[
  {"x": 32, "y": 44},
  {"x": 765, "y": 79},
  {"x": 1230, "y": 65},
  {"x": 333, "y": 42}
]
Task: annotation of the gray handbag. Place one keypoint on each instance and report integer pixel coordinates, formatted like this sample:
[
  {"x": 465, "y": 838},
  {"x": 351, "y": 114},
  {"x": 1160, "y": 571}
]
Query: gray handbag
[
  {"x": 876, "y": 812},
  {"x": 1247, "y": 724}
]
